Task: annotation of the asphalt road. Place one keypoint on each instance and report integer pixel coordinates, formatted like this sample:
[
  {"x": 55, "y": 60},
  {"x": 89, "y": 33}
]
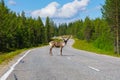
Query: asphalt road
[{"x": 73, "y": 65}]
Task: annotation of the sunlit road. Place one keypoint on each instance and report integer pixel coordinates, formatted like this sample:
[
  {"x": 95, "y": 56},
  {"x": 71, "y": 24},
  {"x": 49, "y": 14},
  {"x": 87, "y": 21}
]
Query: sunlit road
[{"x": 73, "y": 65}]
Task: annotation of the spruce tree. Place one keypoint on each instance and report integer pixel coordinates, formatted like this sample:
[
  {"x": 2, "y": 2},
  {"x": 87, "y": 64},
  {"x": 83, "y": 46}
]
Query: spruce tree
[{"x": 111, "y": 12}]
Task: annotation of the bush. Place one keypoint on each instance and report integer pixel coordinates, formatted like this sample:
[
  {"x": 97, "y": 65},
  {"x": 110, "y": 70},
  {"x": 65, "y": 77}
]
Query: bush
[{"x": 104, "y": 43}]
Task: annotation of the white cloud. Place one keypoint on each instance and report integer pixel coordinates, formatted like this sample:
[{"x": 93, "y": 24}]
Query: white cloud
[
  {"x": 68, "y": 10},
  {"x": 11, "y": 2},
  {"x": 49, "y": 10}
]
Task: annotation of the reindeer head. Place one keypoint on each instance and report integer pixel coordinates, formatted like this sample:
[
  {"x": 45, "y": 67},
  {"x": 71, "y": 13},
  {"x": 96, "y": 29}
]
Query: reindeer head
[{"x": 66, "y": 40}]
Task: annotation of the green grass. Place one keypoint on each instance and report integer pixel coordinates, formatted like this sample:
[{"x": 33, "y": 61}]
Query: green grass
[
  {"x": 6, "y": 57},
  {"x": 84, "y": 45}
]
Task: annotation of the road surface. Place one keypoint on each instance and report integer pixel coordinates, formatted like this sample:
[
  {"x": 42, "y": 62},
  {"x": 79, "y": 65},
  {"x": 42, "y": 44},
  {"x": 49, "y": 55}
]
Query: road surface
[{"x": 75, "y": 64}]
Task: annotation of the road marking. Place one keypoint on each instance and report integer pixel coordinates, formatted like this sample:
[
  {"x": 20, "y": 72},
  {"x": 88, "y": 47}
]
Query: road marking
[
  {"x": 4, "y": 77},
  {"x": 94, "y": 68}
]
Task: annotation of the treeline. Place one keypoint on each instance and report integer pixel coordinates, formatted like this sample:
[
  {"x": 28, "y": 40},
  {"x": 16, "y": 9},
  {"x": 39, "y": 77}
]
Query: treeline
[
  {"x": 93, "y": 31},
  {"x": 18, "y": 31},
  {"x": 103, "y": 33}
]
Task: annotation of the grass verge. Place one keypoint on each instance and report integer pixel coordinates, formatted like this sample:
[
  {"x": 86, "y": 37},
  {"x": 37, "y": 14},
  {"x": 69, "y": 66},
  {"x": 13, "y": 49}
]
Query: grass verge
[
  {"x": 83, "y": 45},
  {"x": 6, "y": 57}
]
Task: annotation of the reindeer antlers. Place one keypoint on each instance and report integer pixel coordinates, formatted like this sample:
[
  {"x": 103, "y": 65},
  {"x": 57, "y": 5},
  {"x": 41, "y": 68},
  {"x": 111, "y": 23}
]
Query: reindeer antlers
[{"x": 67, "y": 38}]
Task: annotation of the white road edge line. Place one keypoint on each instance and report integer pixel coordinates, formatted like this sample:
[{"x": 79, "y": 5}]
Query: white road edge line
[
  {"x": 4, "y": 77},
  {"x": 94, "y": 68}
]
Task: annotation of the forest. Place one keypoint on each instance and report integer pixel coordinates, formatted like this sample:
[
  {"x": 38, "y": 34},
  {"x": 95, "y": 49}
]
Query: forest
[{"x": 18, "y": 31}]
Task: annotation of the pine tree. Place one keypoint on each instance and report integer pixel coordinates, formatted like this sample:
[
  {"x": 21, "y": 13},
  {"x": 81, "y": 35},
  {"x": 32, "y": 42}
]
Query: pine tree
[
  {"x": 111, "y": 12},
  {"x": 47, "y": 29},
  {"x": 88, "y": 28}
]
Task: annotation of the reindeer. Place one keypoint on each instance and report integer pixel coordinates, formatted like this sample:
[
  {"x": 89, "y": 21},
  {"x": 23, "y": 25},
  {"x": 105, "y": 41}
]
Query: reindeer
[{"x": 58, "y": 44}]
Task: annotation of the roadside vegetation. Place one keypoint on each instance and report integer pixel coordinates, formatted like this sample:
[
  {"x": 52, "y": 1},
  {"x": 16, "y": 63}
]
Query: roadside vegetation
[
  {"x": 6, "y": 57},
  {"x": 84, "y": 45}
]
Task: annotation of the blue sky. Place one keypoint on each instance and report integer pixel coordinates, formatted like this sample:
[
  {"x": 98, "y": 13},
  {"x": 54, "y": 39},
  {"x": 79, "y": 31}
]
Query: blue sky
[{"x": 59, "y": 10}]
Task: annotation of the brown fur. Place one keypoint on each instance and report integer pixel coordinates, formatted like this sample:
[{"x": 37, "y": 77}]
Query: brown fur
[{"x": 58, "y": 44}]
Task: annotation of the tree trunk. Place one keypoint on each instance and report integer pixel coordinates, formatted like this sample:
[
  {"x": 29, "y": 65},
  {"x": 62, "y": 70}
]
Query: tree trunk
[
  {"x": 117, "y": 28},
  {"x": 117, "y": 41}
]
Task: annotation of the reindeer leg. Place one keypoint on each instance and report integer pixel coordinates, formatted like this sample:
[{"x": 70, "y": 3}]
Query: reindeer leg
[
  {"x": 61, "y": 51},
  {"x": 51, "y": 51}
]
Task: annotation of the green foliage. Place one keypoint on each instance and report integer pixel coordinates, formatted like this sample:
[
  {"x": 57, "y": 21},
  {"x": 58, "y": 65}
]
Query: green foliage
[
  {"x": 50, "y": 29},
  {"x": 103, "y": 43},
  {"x": 87, "y": 29},
  {"x": 97, "y": 32},
  {"x": 8, "y": 56},
  {"x": 84, "y": 45},
  {"x": 18, "y": 31},
  {"x": 62, "y": 29},
  {"x": 111, "y": 13},
  {"x": 102, "y": 37}
]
